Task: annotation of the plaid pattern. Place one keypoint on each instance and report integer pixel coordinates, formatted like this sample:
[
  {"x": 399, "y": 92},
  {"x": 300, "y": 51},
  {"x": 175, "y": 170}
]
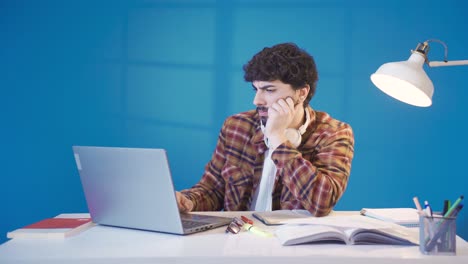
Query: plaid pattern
[{"x": 313, "y": 176}]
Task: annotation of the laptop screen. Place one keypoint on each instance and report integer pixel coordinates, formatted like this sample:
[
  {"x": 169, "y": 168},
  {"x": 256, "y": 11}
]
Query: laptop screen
[{"x": 128, "y": 187}]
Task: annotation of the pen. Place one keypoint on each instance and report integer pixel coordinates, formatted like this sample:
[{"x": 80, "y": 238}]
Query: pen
[
  {"x": 418, "y": 205},
  {"x": 456, "y": 210},
  {"x": 446, "y": 206},
  {"x": 427, "y": 209},
  {"x": 454, "y": 205},
  {"x": 246, "y": 220}
]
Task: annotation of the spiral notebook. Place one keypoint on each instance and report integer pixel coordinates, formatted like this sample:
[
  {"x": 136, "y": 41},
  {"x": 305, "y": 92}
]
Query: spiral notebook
[{"x": 408, "y": 217}]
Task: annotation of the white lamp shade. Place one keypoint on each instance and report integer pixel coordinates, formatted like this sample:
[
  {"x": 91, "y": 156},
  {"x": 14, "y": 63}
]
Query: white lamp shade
[{"x": 405, "y": 80}]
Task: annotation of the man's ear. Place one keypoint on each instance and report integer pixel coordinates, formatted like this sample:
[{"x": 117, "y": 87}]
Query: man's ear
[{"x": 303, "y": 92}]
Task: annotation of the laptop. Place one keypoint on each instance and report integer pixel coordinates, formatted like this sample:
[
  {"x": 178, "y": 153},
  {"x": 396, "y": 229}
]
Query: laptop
[{"x": 133, "y": 188}]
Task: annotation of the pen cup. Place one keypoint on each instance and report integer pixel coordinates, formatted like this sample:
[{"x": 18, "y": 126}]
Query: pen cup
[{"x": 437, "y": 235}]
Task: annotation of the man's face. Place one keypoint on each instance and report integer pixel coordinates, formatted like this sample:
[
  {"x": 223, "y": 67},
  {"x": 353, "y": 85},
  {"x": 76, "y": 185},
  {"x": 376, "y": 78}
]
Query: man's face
[{"x": 267, "y": 93}]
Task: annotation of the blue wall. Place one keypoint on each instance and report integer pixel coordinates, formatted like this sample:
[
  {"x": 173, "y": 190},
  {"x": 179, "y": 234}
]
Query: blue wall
[{"x": 165, "y": 74}]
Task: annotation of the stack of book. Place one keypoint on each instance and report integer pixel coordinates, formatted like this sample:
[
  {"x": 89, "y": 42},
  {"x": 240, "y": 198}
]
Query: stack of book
[{"x": 61, "y": 226}]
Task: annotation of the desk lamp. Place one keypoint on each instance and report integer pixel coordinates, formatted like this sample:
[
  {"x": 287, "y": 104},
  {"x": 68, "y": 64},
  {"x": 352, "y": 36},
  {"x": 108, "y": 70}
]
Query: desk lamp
[{"x": 406, "y": 80}]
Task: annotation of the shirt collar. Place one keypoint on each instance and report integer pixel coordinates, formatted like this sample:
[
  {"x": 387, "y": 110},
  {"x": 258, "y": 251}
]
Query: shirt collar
[{"x": 257, "y": 139}]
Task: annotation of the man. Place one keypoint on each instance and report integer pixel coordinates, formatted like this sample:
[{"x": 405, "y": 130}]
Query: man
[{"x": 284, "y": 154}]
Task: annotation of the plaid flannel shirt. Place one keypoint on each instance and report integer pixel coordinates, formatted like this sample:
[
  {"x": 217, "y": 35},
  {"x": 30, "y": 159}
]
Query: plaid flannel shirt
[{"x": 314, "y": 176}]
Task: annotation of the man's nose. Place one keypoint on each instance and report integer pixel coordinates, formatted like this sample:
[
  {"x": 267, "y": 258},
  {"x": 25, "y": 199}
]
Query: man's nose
[{"x": 258, "y": 99}]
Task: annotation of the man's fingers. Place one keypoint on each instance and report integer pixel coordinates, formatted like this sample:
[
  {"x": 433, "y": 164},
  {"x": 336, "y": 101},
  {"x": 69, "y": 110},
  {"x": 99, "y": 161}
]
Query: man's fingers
[
  {"x": 282, "y": 107},
  {"x": 185, "y": 205},
  {"x": 276, "y": 107},
  {"x": 290, "y": 102}
]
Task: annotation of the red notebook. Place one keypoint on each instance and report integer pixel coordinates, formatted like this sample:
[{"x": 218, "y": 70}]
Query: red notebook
[{"x": 52, "y": 228}]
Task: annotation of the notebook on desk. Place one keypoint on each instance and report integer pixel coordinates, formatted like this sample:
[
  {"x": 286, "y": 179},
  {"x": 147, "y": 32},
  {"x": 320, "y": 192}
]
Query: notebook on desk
[
  {"x": 133, "y": 188},
  {"x": 408, "y": 217}
]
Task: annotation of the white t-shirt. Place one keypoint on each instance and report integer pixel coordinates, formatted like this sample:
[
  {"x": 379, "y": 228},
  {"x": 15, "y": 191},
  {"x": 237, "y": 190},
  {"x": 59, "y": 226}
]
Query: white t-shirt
[{"x": 262, "y": 200}]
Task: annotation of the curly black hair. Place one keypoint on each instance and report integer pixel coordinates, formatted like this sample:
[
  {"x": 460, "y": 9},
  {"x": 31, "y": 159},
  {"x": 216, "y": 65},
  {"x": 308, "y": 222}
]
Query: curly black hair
[{"x": 285, "y": 62}]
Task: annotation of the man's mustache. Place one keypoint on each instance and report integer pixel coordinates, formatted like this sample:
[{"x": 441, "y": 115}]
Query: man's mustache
[
  {"x": 263, "y": 119},
  {"x": 262, "y": 108}
]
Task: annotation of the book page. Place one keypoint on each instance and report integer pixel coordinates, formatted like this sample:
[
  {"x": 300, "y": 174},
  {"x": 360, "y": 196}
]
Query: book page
[
  {"x": 396, "y": 236},
  {"x": 351, "y": 221},
  {"x": 300, "y": 234},
  {"x": 358, "y": 223},
  {"x": 359, "y": 229}
]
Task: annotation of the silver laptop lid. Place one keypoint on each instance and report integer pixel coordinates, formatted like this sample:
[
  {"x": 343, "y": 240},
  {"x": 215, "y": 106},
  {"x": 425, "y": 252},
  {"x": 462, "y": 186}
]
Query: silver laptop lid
[{"x": 129, "y": 187}]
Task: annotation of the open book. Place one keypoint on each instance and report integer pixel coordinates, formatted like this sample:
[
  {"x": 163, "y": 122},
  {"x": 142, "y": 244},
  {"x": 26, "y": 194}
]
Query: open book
[{"x": 351, "y": 230}]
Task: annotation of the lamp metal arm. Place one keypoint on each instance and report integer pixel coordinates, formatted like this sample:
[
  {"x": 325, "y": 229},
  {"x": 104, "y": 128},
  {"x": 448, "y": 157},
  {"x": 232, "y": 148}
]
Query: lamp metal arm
[
  {"x": 447, "y": 63},
  {"x": 423, "y": 49}
]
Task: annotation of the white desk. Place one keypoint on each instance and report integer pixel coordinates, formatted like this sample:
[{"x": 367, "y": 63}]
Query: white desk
[{"x": 102, "y": 244}]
